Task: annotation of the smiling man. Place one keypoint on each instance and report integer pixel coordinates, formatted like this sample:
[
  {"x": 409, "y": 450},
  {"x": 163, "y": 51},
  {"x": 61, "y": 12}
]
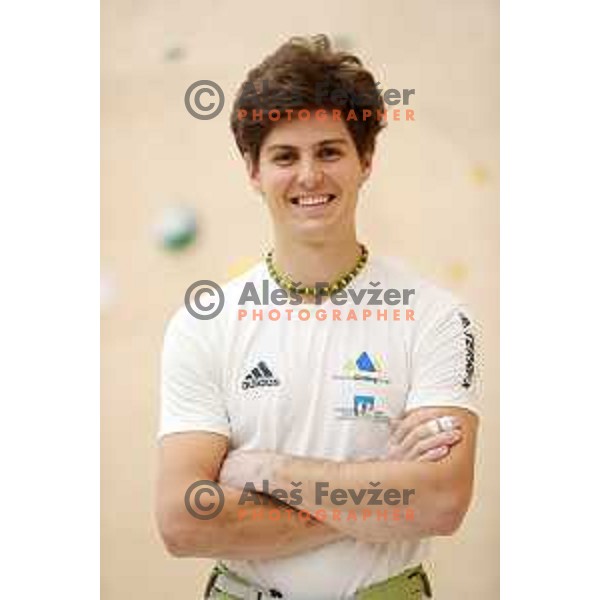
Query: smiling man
[{"x": 345, "y": 405}]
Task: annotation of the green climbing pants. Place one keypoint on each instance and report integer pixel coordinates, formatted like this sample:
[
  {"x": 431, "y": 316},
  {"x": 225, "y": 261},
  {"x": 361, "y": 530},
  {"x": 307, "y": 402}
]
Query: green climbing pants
[{"x": 411, "y": 584}]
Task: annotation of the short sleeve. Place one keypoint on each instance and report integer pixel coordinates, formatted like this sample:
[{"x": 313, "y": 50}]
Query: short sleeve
[
  {"x": 191, "y": 396},
  {"x": 444, "y": 359}
]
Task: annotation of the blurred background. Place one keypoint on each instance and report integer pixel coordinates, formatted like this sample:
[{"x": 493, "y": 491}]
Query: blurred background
[{"x": 176, "y": 207}]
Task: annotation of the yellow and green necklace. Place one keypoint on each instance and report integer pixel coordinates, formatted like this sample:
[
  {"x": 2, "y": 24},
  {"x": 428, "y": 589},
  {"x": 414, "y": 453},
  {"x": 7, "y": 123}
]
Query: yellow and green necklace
[{"x": 285, "y": 281}]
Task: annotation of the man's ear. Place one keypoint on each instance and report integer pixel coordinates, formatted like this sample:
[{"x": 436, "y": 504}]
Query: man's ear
[
  {"x": 253, "y": 172},
  {"x": 367, "y": 166}
]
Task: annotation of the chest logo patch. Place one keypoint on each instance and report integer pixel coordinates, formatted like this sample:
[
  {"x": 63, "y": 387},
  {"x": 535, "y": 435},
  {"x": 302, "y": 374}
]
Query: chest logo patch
[
  {"x": 363, "y": 388},
  {"x": 260, "y": 376}
]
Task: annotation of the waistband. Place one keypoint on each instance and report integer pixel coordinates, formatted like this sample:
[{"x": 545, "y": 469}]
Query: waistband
[{"x": 411, "y": 584}]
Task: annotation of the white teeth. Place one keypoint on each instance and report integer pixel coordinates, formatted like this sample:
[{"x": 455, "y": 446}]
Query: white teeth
[{"x": 312, "y": 200}]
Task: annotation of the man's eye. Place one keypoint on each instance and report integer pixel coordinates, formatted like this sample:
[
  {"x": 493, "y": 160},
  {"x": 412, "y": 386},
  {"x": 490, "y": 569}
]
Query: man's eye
[
  {"x": 329, "y": 153},
  {"x": 285, "y": 158}
]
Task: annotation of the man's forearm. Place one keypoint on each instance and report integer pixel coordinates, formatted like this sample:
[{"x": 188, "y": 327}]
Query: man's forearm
[
  {"x": 390, "y": 500},
  {"x": 249, "y": 531},
  {"x": 378, "y": 505},
  {"x": 380, "y": 500}
]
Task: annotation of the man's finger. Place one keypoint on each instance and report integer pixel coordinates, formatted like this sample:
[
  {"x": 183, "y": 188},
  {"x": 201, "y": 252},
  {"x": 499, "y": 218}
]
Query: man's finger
[
  {"x": 402, "y": 426},
  {"x": 435, "y": 454},
  {"x": 422, "y": 438},
  {"x": 411, "y": 431},
  {"x": 414, "y": 452},
  {"x": 446, "y": 438}
]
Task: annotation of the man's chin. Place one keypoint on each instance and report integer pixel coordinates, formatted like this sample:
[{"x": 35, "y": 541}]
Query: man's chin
[{"x": 312, "y": 232}]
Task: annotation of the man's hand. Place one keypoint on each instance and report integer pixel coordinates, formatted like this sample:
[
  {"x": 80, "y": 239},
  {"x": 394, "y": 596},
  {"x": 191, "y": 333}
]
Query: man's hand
[{"x": 417, "y": 437}]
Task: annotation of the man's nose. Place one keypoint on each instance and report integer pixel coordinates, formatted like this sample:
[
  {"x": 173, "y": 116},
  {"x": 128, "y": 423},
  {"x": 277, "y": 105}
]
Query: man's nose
[{"x": 311, "y": 174}]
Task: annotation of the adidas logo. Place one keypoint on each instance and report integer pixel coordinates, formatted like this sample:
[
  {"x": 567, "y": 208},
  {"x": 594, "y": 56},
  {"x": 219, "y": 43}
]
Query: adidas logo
[{"x": 260, "y": 376}]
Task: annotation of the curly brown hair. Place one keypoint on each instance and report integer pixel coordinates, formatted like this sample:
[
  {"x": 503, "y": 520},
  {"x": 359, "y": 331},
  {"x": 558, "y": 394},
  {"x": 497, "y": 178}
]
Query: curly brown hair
[{"x": 306, "y": 73}]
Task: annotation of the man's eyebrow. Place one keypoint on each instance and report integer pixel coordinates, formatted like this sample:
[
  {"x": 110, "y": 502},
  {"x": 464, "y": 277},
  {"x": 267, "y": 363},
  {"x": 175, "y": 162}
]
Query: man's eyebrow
[
  {"x": 333, "y": 141},
  {"x": 273, "y": 147}
]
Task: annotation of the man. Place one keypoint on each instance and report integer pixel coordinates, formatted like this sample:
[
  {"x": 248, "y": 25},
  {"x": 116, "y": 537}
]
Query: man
[{"x": 317, "y": 399}]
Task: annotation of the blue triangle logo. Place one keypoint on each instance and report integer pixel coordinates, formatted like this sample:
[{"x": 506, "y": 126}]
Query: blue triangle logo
[{"x": 364, "y": 363}]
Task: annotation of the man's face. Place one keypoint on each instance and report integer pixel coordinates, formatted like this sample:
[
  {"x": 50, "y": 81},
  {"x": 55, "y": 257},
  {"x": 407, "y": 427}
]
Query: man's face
[{"x": 309, "y": 173}]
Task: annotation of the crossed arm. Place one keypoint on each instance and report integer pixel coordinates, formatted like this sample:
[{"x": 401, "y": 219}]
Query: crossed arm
[
  {"x": 441, "y": 477},
  {"x": 185, "y": 458},
  {"x": 438, "y": 492}
]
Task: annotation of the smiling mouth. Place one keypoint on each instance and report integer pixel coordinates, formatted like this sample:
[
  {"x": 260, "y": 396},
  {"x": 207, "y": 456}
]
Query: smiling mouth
[{"x": 316, "y": 200}]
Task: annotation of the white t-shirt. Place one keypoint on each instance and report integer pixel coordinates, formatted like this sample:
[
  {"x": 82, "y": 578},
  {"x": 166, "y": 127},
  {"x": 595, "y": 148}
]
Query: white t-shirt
[{"x": 311, "y": 385}]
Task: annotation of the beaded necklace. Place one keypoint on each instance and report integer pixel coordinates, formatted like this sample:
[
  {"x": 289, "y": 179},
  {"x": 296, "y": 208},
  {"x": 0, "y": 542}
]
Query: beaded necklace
[{"x": 285, "y": 281}]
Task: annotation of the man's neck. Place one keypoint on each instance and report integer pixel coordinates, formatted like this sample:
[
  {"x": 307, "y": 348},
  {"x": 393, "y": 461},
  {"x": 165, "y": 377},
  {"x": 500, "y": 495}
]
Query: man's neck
[{"x": 316, "y": 262}]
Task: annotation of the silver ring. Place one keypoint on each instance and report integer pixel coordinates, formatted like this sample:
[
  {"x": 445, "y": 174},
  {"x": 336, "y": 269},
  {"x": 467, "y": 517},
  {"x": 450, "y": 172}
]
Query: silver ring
[
  {"x": 446, "y": 423},
  {"x": 434, "y": 426}
]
